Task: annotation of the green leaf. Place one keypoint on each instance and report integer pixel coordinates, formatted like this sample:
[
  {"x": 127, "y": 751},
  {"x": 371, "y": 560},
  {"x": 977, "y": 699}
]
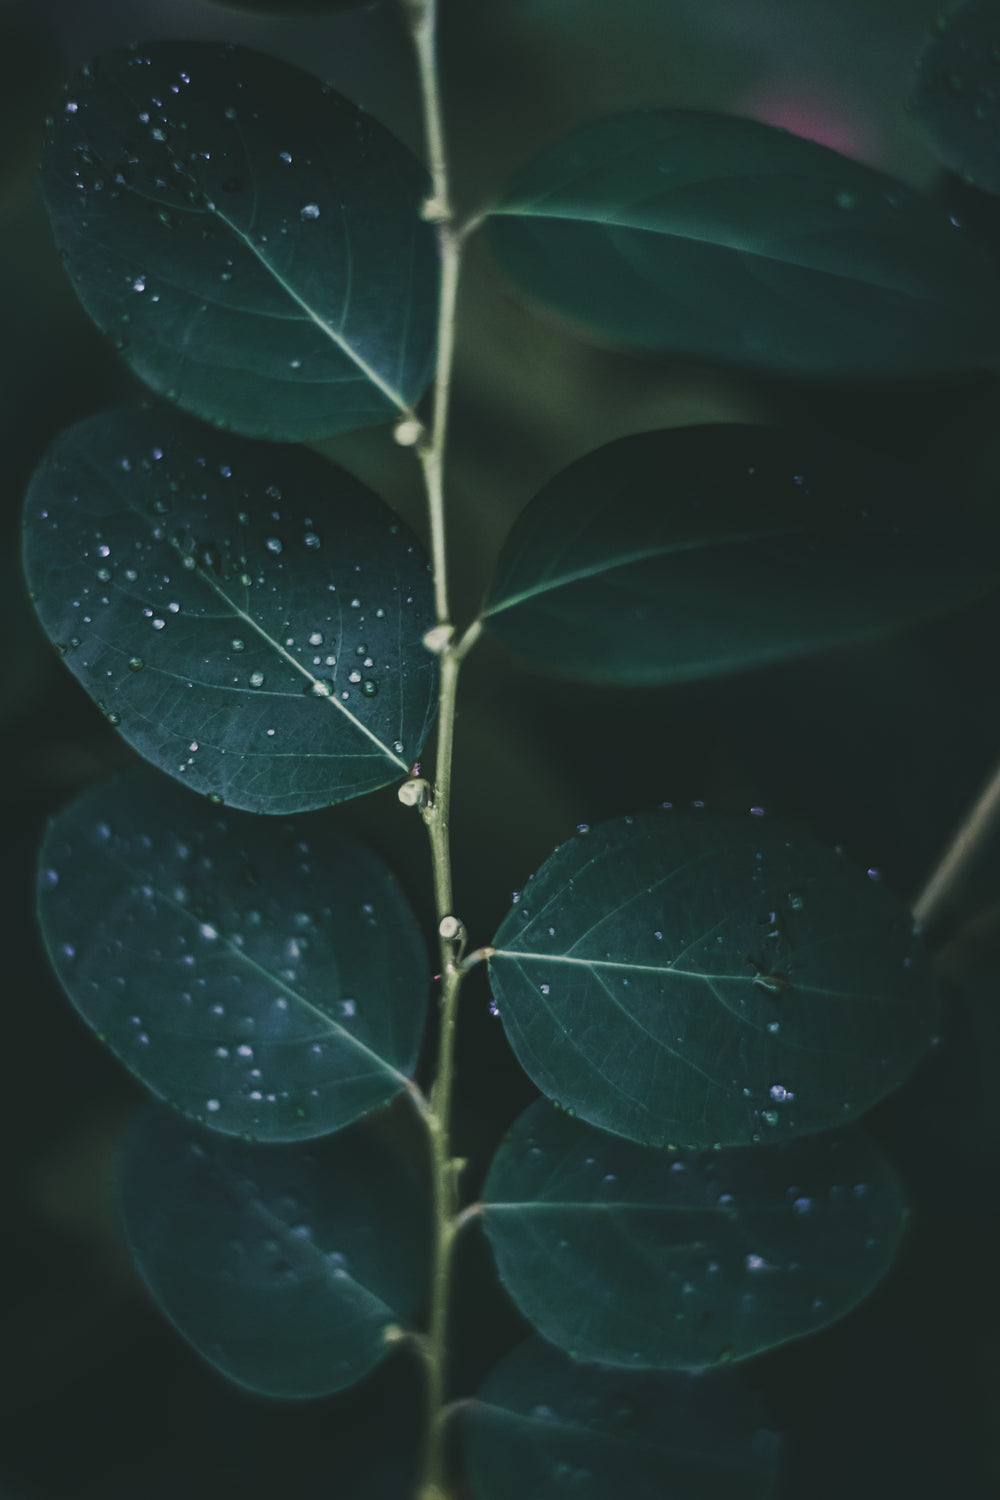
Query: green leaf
[
  {"x": 955, "y": 95},
  {"x": 251, "y": 239},
  {"x": 667, "y": 556},
  {"x": 694, "y": 979},
  {"x": 718, "y": 238},
  {"x": 544, "y": 1425},
  {"x": 249, "y": 617},
  {"x": 288, "y": 1269},
  {"x": 268, "y": 979},
  {"x": 655, "y": 1259}
]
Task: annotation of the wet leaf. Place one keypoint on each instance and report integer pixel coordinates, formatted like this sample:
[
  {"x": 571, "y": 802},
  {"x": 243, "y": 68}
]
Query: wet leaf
[
  {"x": 689, "y": 978},
  {"x": 667, "y": 556},
  {"x": 289, "y": 1269},
  {"x": 250, "y": 618},
  {"x": 717, "y": 238},
  {"x": 250, "y": 239},
  {"x": 542, "y": 1424},
  {"x": 267, "y": 978},
  {"x": 956, "y": 94},
  {"x": 678, "y": 1260}
]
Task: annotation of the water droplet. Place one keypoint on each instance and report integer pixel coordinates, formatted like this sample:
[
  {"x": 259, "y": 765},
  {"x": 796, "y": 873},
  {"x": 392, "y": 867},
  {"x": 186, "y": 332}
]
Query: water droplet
[
  {"x": 369, "y": 688},
  {"x": 311, "y": 540},
  {"x": 802, "y": 1205},
  {"x": 285, "y": 156},
  {"x": 347, "y": 1007},
  {"x": 230, "y": 112},
  {"x": 135, "y": 663},
  {"x": 769, "y": 1116},
  {"x": 256, "y": 679},
  {"x": 273, "y": 544},
  {"x": 320, "y": 688},
  {"x": 756, "y": 1263},
  {"x": 237, "y": 644},
  {"x": 158, "y": 624},
  {"x": 309, "y": 211},
  {"x": 213, "y": 1106},
  {"x": 795, "y": 901},
  {"x": 779, "y": 1092},
  {"x": 583, "y": 827}
]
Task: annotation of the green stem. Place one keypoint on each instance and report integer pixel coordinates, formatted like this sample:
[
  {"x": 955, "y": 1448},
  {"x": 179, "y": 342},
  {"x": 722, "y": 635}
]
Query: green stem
[
  {"x": 432, "y": 449},
  {"x": 438, "y": 208},
  {"x": 445, "y": 1190},
  {"x": 967, "y": 845}
]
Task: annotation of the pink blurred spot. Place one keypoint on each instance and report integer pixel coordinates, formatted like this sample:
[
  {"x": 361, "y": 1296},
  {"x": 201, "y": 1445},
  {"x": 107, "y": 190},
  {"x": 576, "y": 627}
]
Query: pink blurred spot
[{"x": 825, "y": 121}]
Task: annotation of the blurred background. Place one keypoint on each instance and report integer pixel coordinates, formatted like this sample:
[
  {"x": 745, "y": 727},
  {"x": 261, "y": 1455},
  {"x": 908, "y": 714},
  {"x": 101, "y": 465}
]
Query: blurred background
[{"x": 879, "y": 749}]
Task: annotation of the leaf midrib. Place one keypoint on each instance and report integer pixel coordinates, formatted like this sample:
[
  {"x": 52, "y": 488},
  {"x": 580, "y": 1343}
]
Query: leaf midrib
[{"x": 645, "y": 554}]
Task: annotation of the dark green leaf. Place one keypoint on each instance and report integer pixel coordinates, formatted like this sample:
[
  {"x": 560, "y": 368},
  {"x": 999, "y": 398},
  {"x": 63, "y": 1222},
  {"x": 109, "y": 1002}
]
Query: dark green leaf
[
  {"x": 666, "y": 1260},
  {"x": 266, "y": 978},
  {"x": 544, "y": 1425},
  {"x": 719, "y": 238},
  {"x": 289, "y": 1269},
  {"x": 694, "y": 979},
  {"x": 957, "y": 91},
  {"x": 666, "y": 556},
  {"x": 251, "y": 239},
  {"x": 250, "y": 617}
]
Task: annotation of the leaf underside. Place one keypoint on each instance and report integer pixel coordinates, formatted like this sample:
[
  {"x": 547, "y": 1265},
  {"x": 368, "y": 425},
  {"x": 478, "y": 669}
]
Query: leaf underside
[
  {"x": 289, "y": 1269},
  {"x": 268, "y": 978},
  {"x": 669, "y": 556},
  {"x": 543, "y": 1424},
  {"x": 717, "y": 238},
  {"x": 251, "y": 239},
  {"x": 687, "y": 978},
  {"x": 248, "y": 616},
  {"x": 679, "y": 1260}
]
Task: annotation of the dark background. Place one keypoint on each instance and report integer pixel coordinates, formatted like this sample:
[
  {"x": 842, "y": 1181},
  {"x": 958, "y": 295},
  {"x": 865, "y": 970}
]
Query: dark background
[{"x": 879, "y": 749}]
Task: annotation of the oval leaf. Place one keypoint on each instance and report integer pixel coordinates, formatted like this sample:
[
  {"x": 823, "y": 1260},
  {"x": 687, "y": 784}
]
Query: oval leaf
[
  {"x": 544, "y": 1425},
  {"x": 956, "y": 96},
  {"x": 251, "y": 618},
  {"x": 290, "y": 1270},
  {"x": 693, "y": 979},
  {"x": 718, "y": 238},
  {"x": 633, "y": 1256},
  {"x": 667, "y": 556},
  {"x": 266, "y": 978},
  {"x": 251, "y": 239}
]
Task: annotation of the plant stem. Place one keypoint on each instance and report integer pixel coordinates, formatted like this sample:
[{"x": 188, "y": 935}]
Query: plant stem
[
  {"x": 432, "y": 449},
  {"x": 977, "y": 825},
  {"x": 438, "y": 208},
  {"x": 432, "y": 452}
]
